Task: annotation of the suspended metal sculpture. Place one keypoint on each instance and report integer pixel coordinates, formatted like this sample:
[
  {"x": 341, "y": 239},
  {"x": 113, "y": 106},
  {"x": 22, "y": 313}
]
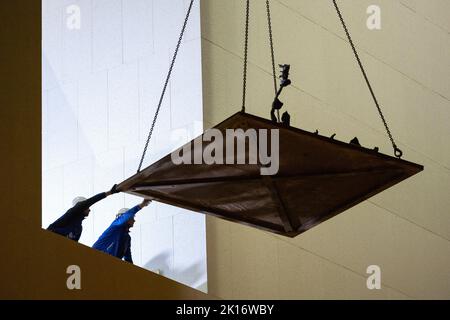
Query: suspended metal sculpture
[{"x": 318, "y": 177}]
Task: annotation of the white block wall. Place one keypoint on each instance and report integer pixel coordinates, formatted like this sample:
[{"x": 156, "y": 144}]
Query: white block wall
[{"x": 101, "y": 85}]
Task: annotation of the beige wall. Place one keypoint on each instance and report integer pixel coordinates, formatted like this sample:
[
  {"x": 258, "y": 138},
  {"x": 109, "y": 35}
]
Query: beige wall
[{"x": 406, "y": 229}]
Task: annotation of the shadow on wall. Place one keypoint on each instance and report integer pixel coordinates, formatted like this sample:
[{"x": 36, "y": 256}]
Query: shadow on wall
[{"x": 193, "y": 274}]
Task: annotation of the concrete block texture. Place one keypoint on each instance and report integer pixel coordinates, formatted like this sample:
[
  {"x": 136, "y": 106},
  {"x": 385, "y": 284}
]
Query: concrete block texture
[
  {"x": 104, "y": 66},
  {"x": 107, "y": 34}
]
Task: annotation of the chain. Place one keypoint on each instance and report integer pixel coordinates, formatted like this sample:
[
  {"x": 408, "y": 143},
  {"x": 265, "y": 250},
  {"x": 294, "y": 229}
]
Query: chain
[
  {"x": 244, "y": 80},
  {"x": 165, "y": 85},
  {"x": 397, "y": 152},
  {"x": 269, "y": 21},
  {"x": 272, "y": 51}
]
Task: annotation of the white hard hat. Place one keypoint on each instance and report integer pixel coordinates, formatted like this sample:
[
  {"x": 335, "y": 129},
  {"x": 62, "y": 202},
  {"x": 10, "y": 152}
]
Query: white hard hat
[
  {"x": 78, "y": 199},
  {"x": 121, "y": 212}
]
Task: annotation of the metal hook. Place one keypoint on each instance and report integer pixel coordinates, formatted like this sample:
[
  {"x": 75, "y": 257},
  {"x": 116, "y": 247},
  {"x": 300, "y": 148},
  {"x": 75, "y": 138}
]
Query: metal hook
[{"x": 397, "y": 152}]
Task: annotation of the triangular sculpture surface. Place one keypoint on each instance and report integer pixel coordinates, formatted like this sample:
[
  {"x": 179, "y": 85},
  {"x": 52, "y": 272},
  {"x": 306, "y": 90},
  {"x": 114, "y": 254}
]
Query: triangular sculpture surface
[{"x": 318, "y": 178}]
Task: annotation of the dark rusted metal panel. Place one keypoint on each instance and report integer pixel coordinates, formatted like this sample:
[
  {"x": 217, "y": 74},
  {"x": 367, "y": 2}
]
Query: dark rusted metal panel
[{"x": 318, "y": 178}]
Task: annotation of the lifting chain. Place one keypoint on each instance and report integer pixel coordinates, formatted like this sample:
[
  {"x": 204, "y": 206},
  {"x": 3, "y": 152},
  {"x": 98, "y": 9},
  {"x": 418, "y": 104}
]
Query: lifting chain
[
  {"x": 397, "y": 152},
  {"x": 272, "y": 51},
  {"x": 165, "y": 85},
  {"x": 244, "y": 80}
]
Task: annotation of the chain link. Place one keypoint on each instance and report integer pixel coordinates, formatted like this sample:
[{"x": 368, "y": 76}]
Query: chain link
[
  {"x": 397, "y": 152},
  {"x": 272, "y": 51},
  {"x": 244, "y": 80},
  {"x": 269, "y": 22},
  {"x": 165, "y": 85}
]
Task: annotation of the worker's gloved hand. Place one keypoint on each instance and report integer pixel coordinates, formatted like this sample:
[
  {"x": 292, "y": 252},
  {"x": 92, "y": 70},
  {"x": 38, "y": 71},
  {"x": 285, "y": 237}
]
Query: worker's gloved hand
[
  {"x": 145, "y": 203},
  {"x": 114, "y": 189}
]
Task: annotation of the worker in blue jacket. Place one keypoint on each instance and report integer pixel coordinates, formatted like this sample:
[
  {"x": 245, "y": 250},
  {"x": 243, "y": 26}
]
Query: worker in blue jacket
[
  {"x": 116, "y": 240},
  {"x": 70, "y": 224}
]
